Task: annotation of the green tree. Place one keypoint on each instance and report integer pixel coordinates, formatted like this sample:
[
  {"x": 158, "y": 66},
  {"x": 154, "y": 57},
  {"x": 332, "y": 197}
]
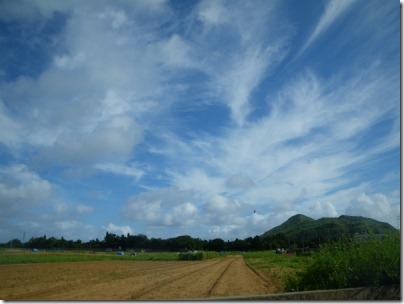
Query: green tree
[{"x": 216, "y": 245}]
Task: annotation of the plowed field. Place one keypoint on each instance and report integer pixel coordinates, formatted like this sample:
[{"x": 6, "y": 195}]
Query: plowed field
[{"x": 130, "y": 280}]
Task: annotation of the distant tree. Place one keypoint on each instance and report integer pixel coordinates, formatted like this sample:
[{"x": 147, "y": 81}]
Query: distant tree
[
  {"x": 111, "y": 241},
  {"x": 15, "y": 243},
  {"x": 52, "y": 242},
  {"x": 93, "y": 244},
  {"x": 78, "y": 244},
  {"x": 139, "y": 241},
  {"x": 216, "y": 245},
  {"x": 157, "y": 244},
  {"x": 236, "y": 245},
  {"x": 183, "y": 243},
  {"x": 37, "y": 242},
  {"x": 279, "y": 240},
  {"x": 256, "y": 243}
]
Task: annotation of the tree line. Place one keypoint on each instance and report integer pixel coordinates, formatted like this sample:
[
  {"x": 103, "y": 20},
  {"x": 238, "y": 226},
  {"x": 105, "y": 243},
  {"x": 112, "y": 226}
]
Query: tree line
[{"x": 139, "y": 242}]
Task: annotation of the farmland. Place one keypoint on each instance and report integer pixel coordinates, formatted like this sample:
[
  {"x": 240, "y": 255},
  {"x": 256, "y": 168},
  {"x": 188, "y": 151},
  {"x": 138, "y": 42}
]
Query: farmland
[
  {"x": 24, "y": 257},
  {"x": 131, "y": 280},
  {"x": 90, "y": 275}
]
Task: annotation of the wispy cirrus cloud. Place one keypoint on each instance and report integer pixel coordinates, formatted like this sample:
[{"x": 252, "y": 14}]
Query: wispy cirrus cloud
[
  {"x": 130, "y": 170},
  {"x": 333, "y": 10},
  {"x": 249, "y": 53},
  {"x": 188, "y": 117},
  {"x": 300, "y": 155}
]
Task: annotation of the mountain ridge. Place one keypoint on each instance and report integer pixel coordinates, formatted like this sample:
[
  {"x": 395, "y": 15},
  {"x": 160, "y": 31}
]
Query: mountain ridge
[{"x": 300, "y": 227}]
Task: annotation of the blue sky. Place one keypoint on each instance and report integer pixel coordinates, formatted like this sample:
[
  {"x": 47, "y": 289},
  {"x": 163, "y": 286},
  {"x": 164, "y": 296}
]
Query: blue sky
[{"x": 183, "y": 117}]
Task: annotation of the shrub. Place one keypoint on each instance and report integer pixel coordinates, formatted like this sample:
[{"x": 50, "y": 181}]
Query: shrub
[
  {"x": 200, "y": 255},
  {"x": 350, "y": 263}
]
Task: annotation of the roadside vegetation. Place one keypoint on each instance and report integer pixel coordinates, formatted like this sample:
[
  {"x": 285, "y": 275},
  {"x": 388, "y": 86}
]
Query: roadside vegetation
[
  {"x": 276, "y": 268},
  {"x": 374, "y": 261},
  {"x": 348, "y": 262}
]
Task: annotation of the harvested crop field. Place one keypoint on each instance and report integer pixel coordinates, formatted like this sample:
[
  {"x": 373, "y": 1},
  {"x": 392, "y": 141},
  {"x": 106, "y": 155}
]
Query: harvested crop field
[{"x": 131, "y": 280}]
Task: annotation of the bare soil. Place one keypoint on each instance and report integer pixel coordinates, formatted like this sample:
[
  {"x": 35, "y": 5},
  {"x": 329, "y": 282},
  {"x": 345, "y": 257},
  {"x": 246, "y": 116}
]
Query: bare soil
[{"x": 131, "y": 280}]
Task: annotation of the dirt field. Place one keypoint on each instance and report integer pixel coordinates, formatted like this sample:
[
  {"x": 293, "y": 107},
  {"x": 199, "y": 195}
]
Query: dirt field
[{"x": 131, "y": 280}]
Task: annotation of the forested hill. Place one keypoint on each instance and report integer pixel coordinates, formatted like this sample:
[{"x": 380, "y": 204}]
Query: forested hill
[
  {"x": 300, "y": 227},
  {"x": 298, "y": 231}
]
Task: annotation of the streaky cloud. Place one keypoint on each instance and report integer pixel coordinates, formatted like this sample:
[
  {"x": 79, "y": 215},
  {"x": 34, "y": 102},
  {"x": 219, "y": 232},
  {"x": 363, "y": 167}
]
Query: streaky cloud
[{"x": 334, "y": 10}]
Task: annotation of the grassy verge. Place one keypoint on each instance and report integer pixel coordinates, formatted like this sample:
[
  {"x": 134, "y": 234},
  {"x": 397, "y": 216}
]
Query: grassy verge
[
  {"x": 276, "y": 267},
  {"x": 350, "y": 263}
]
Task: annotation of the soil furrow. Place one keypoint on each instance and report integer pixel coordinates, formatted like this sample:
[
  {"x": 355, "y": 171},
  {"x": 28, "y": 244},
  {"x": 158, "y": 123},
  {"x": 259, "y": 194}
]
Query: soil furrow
[
  {"x": 126, "y": 280},
  {"x": 172, "y": 280},
  {"x": 219, "y": 277}
]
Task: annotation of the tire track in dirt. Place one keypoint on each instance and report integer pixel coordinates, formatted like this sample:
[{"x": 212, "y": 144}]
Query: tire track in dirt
[
  {"x": 143, "y": 277},
  {"x": 220, "y": 277},
  {"x": 231, "y": 277},
  {"x": 240, "y": 280},
  {"x": 150, "y": 293}
]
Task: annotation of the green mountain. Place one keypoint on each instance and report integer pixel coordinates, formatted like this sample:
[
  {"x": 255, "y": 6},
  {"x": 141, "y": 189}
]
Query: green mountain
[{"x": 300, "y": 227}]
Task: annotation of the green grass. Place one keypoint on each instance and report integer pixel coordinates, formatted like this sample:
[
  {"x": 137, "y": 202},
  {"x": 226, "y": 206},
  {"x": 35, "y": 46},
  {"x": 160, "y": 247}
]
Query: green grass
[
  {"x": 154, "y": 256},
  {"x": 269, "y": 259},
  {"x": 23, "y": 257},
  {"x": 349, "y": 263},
  {"x": 276, "y": 267}
]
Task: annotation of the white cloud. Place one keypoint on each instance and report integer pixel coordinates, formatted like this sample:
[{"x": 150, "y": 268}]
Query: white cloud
[
  {"x": 212, "y": 12},
  {"x": 31, "y": 10},
  {"x": 238, "y": 66},
  {"x": 66, "y": 210},
  {"x": 223, "y": 231},
  {"x": 38, "y": 223},
  {"x": 117, "y": 17},
  {"x": 324, "y": 209},
  {"x": 90, "y": 103},
  {"x": 61, "y": 208},
  {"x": 296, "y": 159},
  {"x": 66, "y": 62},
  {"x": 181, "y": 216},
  {"x": 68, "y": 229},
  {"x": 20, "y": 185},
  {"x": 118, "y": 230},
  {"x": 113, "y": 139},
  {"x": 84, "y": 209},
  {"x": 9, "y": 128},
  {"x": 66, "y": 225},
  {"x": 176, "y": 52},
  {"x": 221, "y": 204},
  {"x": 121, "y": 79},
  {"x": 238, "y": 82},
  {"x": 197, "y": 180},
  {"x": 130, "y": 170},
  {"x": 239, "y": 182},
  {"x": 162, "y": 208},
  {"x": 376, "y": 206},
  {"x": 333, "y": 10}
]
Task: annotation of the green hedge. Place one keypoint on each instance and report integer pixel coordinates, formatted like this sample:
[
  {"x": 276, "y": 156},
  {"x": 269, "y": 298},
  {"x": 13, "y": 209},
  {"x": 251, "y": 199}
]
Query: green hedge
[{"x": 200, "y": 255}]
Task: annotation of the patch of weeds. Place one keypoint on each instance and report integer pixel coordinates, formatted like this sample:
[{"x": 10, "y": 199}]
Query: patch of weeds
[{"x": 350, "y": 263}]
